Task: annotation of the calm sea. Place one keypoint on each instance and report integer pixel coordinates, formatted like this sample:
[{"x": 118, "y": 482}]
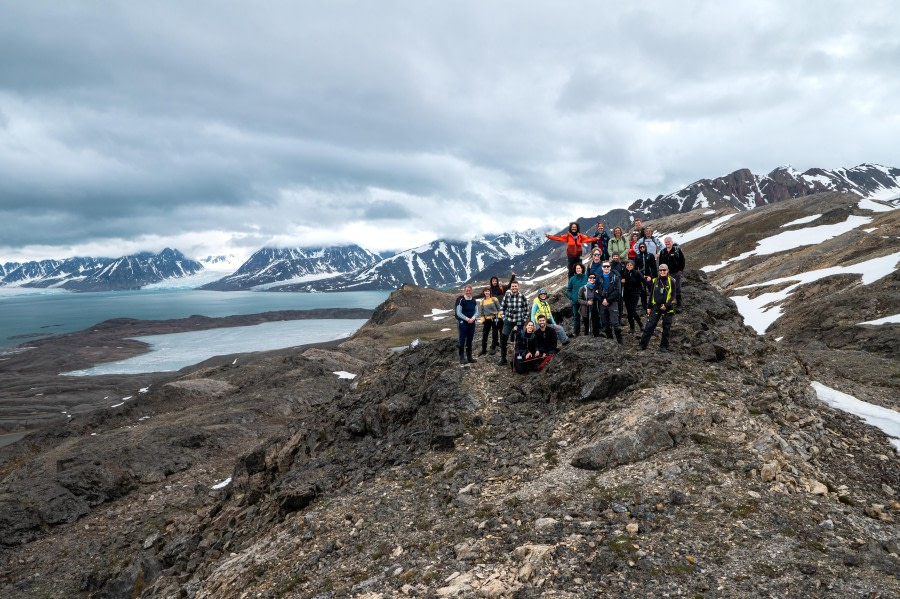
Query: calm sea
[{"x": 24, "y": 313}]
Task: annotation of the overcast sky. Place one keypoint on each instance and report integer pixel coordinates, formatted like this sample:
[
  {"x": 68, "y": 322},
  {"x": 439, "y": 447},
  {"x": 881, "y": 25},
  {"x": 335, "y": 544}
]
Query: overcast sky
[{"x": 226, "y": 126}]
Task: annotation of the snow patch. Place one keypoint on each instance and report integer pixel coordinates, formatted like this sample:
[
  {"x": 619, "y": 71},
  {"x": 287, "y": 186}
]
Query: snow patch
[
  {"x": 801, "y": 221},
  {"x": 701, "y": 231},
  {"x": 790, "y": 240},
  {"x": 869, "y": 204},
  {"x": 343, "y": 374},
  {"x": 884, "y": 419},
  {"x": 760, "y": 312},
  {"x": 435, "y": 312},
  {"x": 895, "y": 319},
  {"x": 223, "y": 484}
]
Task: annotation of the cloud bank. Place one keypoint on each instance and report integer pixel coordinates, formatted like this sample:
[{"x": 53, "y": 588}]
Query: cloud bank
[{"x": 214, "y": 126}]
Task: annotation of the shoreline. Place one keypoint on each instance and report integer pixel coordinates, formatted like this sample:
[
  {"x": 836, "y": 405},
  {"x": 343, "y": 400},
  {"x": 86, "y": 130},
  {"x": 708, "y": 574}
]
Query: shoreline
[{"x": 33, "y": 395}]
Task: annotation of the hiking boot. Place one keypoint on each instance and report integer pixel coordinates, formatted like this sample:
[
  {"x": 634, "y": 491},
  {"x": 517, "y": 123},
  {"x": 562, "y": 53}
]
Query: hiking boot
[
  {"x": 469, "y": 357},
  {"x": 462, "y": 358},
  {"x": 493, "y": 350},
  {"x": 483, "y": 352},
  {"x": 619, "y": 337},
  {"x": 502, "y": 362},
  {"x": 665, "y": 350},
  {"x": 642, "y": 347}
]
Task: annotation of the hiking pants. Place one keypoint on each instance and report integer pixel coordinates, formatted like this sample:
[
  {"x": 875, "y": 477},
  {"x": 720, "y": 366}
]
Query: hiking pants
[
  {"x": 631, "y": 302},
  {"x": 490, "y": 326},
  {"x": 651, "y": 326},
  {"x": 504, "y": 336},
  {"x": 576, "y": 319},
  {"x": 466, "y": 334},
  {"x": 573, "y": 260},
  {"x": 610, "y": 317},
  {"x": 594, "y": 316},
  {"x": 560, "y": 334}
]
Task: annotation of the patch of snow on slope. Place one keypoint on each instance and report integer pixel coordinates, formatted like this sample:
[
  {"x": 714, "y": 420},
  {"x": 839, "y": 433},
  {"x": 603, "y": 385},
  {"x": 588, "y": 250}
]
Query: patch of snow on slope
[
  {"x": 701, "y": 231},
  {"x": 869, "y": 204},
  {"x": 343, "y": 374},
  {"x": 760, "y": 312},
  {"x": 884, "y": 419},
  {"x": 301, "y": 279},
  {"x": 801, "y": 221},
  {"x": 895, "y": 319},
  {"x": 790, "y": 240}
]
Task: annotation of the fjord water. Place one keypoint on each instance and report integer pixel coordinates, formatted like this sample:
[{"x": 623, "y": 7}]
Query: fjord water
[{"x": 25, "y": 314}]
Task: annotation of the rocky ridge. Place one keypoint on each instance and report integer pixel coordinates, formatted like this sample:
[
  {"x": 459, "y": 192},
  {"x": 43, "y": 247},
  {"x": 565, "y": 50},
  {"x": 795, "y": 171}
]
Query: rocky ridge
[{"x": 711, "y": 471}]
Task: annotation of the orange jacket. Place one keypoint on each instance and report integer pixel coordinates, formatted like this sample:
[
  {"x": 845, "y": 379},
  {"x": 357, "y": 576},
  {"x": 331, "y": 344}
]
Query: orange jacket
[{"x": 573, "y": 242}]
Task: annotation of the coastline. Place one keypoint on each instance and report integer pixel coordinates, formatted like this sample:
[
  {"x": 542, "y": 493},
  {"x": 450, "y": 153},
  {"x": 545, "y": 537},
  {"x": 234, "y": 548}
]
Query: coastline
[{"x": 34, "y": 395}]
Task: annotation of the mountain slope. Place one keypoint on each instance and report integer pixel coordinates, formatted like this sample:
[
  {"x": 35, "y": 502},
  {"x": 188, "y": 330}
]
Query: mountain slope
[
  {"x": 102, "y": 274},
  {"x": 438, "y": 264},
  {"x": 742, "y": 190},
  {"x": 278, "y": 265}
]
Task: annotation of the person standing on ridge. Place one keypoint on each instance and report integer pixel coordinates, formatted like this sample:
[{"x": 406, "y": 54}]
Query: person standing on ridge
[
  {"x": 576, "y": 282},
  {"x": 602, "y": 241},
  {"x": 661, "y": 305},
  {"x": 617, "y": 243},
  {"x": 574, "y": 240},
  {"x": 672, "y": 255},
  {"x": 634, "y": 289},
  {"x": 490, "y": 315},
  {"x": 610, "y": 289},
  {"x": 467, "y": 314},
  {"x": 588, "y": 306},
  {"x": 497, "y": 291},
  {"x": 515, "y": 313}
]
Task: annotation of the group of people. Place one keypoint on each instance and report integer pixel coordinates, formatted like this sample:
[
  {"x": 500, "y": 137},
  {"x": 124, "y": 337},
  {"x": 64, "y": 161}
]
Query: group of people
[{"x": 620, "y": 273}]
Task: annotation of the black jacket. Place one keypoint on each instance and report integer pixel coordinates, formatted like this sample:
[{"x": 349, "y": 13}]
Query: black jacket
[
  {"x": 613, "y": 292},
  {"x": 526, "y": 343},
  {"x": 645, "y": 263},
  {"x": 675, "y": 258},
  {"x": 546, "y": 340},
  {"x": 635, "y": 285}
]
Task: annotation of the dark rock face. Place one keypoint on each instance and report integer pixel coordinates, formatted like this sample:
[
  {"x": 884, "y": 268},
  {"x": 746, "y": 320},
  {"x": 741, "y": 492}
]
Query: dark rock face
[{"x": 624, "y": 449}]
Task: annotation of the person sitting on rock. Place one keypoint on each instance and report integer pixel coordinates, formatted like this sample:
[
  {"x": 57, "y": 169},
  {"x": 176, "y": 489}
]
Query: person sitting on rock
[
  {"x": 576, "y": 282},
  {"x": 573, "y": 239},
  {"x": 514, "y": 308},
  {"x": 546, "y": 337},
  {"x": 661, "y": 305},
  {"x": 672, "y": 255},
  {"x": 467, "y": 314},
  {"x": 634, "y": 288},
  {"x": 489, "y": 307},
  {"x": 588, "y": 306},
  {"x": 526, "y": 356},
  {"x": 540, "y": 305},
  {"x": 610, "y": 290}
]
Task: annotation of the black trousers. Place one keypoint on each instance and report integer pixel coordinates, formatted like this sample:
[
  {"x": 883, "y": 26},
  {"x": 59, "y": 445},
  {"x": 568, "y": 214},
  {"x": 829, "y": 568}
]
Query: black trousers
[
  {"x": 490, "y": 326},
  {"x": 573, "y": 260},
  {"x": 634, "y": 317},
  {"x": 655, "y": 316}
]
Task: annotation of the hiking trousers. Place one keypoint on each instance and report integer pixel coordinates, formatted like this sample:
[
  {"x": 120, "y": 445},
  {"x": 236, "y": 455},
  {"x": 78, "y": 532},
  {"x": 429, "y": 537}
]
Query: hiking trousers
[
  {"x": 655, "y": 316},
  {"x": 466, "y": 334},
  {"x": 489, "y": 327}
]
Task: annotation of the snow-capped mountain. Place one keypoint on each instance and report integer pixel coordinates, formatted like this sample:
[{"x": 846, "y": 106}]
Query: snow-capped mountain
[
  {"x": 270, "y": 266},
  {"x": 101, "y": 274},
  {"x": 741, "y": 191},
  {"x": 744, "y": 191},
  {"x": 441, "y": 263},
  {"x": 224, "y": 262}
]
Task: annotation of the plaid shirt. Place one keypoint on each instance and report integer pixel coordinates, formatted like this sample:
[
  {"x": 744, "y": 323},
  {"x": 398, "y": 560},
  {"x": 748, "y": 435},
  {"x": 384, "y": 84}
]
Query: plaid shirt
[{"x": 515, "y": 308}]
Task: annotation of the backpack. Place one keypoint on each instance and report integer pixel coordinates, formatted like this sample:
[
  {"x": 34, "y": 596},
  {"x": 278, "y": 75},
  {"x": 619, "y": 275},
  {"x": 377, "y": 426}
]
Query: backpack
[{"x": 459, "y": 299}]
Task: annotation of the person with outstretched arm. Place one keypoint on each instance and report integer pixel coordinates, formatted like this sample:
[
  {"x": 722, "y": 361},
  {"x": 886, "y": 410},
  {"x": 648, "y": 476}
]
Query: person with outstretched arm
[{"x": 574, "y": 240}]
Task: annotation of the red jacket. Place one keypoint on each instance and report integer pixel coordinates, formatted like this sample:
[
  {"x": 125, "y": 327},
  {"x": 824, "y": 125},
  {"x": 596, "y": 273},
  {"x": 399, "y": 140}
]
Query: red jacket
[{"x": 573, "y": 242}]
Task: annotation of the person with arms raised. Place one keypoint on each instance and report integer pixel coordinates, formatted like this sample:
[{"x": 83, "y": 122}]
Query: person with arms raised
[{"x": 574, "y": 240}]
